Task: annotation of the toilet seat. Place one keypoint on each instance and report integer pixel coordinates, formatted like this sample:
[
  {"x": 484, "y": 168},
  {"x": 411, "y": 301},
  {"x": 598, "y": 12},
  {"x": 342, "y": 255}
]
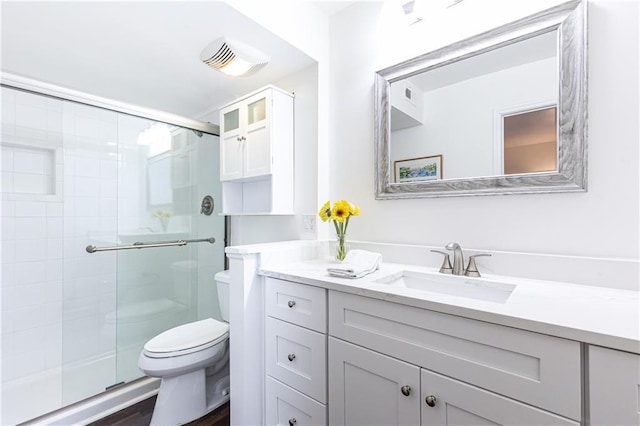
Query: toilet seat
[{"x": 187, "y": 338}]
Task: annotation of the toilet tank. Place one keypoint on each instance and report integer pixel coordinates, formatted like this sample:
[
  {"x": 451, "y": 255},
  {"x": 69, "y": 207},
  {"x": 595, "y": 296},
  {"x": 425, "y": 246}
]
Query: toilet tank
[{"x": 222, "y": 283}]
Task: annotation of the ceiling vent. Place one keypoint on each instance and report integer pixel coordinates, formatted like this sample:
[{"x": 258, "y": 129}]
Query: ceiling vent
[{"x": 233, "y": 57}]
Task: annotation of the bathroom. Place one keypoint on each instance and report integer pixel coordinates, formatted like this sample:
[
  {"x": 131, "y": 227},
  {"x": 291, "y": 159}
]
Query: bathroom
[{"x": 546, "y": 236}]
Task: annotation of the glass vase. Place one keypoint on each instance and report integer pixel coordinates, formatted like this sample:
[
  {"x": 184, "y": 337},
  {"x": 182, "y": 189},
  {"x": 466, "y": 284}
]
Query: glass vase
[{"x": 341, "y": 248}]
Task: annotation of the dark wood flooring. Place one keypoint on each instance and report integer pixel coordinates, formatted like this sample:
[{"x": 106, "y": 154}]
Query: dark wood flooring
[{"x": 140, "y": 415}]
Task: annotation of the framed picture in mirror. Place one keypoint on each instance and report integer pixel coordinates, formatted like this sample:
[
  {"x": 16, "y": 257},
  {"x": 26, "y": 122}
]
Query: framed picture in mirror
[{"x": 418, "y": 169}]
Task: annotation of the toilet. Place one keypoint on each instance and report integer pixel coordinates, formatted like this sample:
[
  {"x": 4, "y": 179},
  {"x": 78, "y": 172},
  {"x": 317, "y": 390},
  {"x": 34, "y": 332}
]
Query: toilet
[{"x": 192, "y": 361}]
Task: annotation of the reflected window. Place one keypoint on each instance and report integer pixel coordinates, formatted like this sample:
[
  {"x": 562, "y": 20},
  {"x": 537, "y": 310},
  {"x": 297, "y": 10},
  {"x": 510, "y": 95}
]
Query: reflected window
[{"x": 530, "y": 142}]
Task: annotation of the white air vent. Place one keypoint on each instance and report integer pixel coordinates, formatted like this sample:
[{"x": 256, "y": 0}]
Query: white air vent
[{"x": 233, "y": 58}]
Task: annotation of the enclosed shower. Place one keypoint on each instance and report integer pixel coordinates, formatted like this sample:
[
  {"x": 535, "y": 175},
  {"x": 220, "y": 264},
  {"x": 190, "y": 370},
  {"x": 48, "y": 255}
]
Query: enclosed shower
[{"x": 76, "y": 175}]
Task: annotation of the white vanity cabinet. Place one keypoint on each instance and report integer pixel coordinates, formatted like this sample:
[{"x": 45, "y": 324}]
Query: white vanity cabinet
[
  {"x": 471, "y": 371},
  {"x": 614, "y": 387},
  {"x": 296, "y": 354},
  {"x": 256, "y": 153}
]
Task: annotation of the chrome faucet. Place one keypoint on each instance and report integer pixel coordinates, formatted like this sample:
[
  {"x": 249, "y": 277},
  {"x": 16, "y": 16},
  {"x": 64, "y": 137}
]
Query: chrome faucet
[{"x": 458, "y": 258}]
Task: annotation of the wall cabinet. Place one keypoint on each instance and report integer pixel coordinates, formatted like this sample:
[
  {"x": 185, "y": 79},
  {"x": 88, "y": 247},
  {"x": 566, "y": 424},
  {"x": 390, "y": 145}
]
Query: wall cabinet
[
  {"x": 296, "y": 354},
  {"x": 256, "y": 153}
]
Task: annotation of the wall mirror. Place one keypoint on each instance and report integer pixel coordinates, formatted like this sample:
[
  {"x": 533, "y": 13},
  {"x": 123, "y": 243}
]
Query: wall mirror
[{"x": 503, "y": 112}]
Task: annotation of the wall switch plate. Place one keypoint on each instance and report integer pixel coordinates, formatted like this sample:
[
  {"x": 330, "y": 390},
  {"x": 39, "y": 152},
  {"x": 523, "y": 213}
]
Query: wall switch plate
[{"x": 309, "y": 223}]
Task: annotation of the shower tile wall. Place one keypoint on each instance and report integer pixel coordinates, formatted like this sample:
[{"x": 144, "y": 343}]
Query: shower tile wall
[{"x": 59, "y": 193}]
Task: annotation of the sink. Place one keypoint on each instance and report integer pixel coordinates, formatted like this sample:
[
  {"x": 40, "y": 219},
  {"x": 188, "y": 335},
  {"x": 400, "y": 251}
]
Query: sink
[{"x": 453, "y": 285}]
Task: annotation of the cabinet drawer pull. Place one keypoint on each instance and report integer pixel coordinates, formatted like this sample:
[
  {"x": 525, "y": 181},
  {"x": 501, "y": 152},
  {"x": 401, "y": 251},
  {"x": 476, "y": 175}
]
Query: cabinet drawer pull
[
  {"x": 406, "y": 390},
  {"x": 291, "y": 303},
  {"x": 292, "y": 421},
  {"x": 291, "y": 357},
  {"x": 430, "y": 400}
]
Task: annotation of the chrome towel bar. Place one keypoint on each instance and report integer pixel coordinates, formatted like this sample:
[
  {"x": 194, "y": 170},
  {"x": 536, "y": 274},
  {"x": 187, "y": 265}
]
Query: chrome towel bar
[{"x": 140, "y": 245}]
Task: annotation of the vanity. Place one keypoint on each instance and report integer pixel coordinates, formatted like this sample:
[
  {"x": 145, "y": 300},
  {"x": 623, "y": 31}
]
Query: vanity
[{"x": 378, "y": 350}]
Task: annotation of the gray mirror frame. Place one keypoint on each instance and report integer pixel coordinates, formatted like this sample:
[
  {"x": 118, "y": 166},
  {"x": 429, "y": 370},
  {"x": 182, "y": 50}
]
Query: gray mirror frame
[{"x": 570, "y": 20}]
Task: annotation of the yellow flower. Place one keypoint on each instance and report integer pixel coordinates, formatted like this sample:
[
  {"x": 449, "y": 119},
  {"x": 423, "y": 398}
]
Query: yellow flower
[
  {"x": 354, "y": 210},
  {"x": 325, "y": 211},
  {"x": 341, "y": 210}
]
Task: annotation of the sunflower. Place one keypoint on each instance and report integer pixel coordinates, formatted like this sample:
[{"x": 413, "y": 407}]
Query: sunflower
[
  {"x": 325, "y": 211},
  {"x": 341, "y": 211}
]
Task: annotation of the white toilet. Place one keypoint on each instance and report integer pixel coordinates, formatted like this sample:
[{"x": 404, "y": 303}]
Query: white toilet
[{"x": 193, "y": 362}]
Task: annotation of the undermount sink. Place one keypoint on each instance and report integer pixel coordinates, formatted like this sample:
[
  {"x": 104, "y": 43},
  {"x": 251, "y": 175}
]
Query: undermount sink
[{"x": 453, "y": 285}]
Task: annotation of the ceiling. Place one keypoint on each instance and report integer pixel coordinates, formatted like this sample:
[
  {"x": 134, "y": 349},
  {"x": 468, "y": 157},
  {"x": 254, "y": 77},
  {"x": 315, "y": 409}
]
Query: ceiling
[{"x": 144, "y": 53}]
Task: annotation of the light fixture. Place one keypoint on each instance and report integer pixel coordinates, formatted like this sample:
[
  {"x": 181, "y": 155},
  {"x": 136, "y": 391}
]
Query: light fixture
[{"x": 233, "y": 57}]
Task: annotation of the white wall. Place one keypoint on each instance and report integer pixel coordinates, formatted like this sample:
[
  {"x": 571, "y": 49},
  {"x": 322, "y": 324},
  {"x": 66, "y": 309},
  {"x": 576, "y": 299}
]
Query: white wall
[{"x": 601, "y": 223}]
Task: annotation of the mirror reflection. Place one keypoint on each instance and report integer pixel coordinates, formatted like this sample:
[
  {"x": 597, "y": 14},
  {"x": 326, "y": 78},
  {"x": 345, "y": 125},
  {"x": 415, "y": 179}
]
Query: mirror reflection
[
  {"x": 502, "y": 112},
  {"x": 487, "y": 115}
]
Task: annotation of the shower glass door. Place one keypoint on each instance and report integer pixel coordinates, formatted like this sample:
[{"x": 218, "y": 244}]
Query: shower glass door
[
  {"x": 74, "y": 175},
  {"x": 160, "y": 189}
]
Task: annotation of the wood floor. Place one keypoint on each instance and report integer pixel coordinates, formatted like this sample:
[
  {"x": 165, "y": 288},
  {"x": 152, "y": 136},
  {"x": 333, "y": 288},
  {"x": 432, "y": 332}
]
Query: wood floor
[{"x": 140, "y": 415}]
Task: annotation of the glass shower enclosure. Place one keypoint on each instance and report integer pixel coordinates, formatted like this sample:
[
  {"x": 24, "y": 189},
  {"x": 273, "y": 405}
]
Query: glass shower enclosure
[{"x": 74, "y": 175}]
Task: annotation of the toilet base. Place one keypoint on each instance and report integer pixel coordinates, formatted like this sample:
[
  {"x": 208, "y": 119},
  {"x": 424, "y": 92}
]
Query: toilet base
[{"x": 181, "y": 398}]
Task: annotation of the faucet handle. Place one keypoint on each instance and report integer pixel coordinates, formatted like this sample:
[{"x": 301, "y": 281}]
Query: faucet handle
[
  {"x": 446, "y": 263},
  {"x": 472, "y": 268}
]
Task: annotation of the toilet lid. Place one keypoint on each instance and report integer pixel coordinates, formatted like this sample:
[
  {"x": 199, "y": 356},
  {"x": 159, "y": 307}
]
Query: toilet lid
[{"x": 188, "y": 336}]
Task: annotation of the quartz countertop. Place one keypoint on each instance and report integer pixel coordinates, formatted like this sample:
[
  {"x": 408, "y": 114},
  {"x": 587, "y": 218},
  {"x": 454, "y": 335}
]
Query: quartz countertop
[{"x": 595, "y": 315}]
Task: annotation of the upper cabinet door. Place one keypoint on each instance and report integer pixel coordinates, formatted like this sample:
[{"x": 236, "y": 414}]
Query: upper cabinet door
[
  {"x": 257, "y": 146},
  {"x": 231, "y": 149}
]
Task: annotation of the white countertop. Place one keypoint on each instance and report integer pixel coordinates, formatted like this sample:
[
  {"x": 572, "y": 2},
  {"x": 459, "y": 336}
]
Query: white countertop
[{"x": 594, "y": 315}]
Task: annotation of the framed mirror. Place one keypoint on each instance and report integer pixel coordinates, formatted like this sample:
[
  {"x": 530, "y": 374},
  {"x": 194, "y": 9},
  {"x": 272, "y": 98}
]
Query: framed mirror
[{"x": 503, "y": 112}]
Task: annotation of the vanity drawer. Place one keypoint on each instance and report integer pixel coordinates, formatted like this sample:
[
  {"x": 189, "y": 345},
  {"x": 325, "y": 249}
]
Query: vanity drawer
[
  {"x": 287, "y": 407},
  {"x": 298, "y": 357},
  {"x": 537, "y": 369},
  {"x": 299, "y": 304}
]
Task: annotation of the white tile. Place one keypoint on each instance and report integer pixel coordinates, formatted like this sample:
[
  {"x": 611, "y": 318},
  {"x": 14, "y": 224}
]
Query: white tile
[
  {"x": 69, "y": 226},
  {"x": 26, "y": 318},
  {"x": 108, "y": 188},
  {"x": 53, "y": 345},
  {"x": 7, "y": 208},
  {"x": 8, "y": 252},
  {"x": 29, "y": 183},
  {"x": 7, "y": 228},
  {"x": 54, "y": 121},
  {"x": 7, "y": 274},
  {"x": 30, "y": 208},
  {"x": 87, "y": 167},
  {"x": 108, "y": 169},
  {"x": 25, "y": 296},
  {"x": 31, "y": 117},
  {"x": 29, "y": 228},
  {"x": 86, "y": 187},
  {"x": 7, "y": 159},
  {"x": 85, "y": 225},
  {"x": 30, "y": 272},
  {"x": 30, "y": 160},
  {"x": 30, "y": 250},
  {"x": 55, "y": 209},
  {"x": 54, "y": 248},
  {"x": 54, "y": 270},
  {"x": 87, "y": 206},
  {"x": 6, "y": 185},
  {"x": 54, "y": 293},
  {"x": 55, "y": 227}
]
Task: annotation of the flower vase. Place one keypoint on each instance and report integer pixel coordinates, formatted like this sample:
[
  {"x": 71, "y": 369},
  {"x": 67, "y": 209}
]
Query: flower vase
[
  {"x": 164, "y": 222},
  {"x": 341, "y": 248}
]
